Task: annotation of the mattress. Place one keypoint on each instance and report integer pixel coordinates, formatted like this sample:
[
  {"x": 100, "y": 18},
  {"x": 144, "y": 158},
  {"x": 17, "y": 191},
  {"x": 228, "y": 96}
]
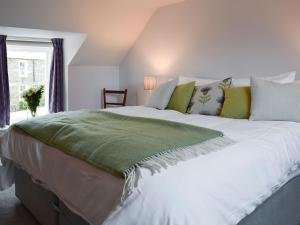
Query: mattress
[{"x": 220, "y": 188}]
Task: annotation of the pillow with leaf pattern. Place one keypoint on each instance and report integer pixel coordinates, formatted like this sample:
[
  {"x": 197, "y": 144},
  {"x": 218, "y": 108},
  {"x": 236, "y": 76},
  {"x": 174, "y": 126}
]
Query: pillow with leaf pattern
[{"x": 208, "y": 99}]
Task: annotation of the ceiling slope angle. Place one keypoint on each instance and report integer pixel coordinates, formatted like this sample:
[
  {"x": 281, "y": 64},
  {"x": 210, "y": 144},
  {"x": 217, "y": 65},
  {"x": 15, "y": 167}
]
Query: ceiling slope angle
[{"x": 112, "y": 26}]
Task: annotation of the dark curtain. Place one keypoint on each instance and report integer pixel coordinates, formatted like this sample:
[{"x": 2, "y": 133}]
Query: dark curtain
[
  {"x": 4, "y": 85},
  {"x": 56, "y": 85}
]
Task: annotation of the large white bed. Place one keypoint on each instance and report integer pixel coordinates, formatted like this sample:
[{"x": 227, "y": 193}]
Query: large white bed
[{"x": 222, "y": 187}]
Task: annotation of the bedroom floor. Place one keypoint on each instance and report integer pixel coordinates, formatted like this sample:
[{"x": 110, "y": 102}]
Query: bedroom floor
[{"x": 12, "y": 212}]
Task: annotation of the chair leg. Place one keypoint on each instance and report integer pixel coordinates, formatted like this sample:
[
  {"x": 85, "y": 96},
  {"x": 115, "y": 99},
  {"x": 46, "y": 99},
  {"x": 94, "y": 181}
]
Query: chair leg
[
  {"x": 104, "y": 98},
  {"x": 125, "y": 97}
]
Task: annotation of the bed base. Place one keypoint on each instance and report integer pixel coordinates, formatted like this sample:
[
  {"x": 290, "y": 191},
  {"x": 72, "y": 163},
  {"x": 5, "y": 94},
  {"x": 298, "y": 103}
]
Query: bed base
[
  {"x": 282, "y": 208},
  {"x": 43, "y": 204}
]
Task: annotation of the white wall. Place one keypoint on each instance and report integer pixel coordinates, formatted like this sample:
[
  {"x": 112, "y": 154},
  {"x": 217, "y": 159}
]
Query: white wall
[
  {"x": 216, "y": 38},
  {"x": 86, "y": 84}
]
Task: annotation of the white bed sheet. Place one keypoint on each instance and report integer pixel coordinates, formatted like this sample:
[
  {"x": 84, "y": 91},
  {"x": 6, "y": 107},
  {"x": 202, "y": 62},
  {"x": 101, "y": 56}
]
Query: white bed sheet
[{"x": 219, "y": 188}]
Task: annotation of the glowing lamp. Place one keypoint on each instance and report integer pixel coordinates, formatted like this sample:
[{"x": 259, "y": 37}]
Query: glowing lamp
[{"x": 149, "y": 82}]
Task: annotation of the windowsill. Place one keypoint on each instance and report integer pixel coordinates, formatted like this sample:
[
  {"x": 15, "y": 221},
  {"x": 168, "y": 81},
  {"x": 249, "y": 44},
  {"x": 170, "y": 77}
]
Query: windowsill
[{"x": 25, "y": 114}]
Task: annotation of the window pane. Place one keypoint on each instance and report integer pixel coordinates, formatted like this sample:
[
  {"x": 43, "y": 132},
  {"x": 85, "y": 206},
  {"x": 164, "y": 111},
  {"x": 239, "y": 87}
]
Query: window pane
[{"x": 27, "y": 67}]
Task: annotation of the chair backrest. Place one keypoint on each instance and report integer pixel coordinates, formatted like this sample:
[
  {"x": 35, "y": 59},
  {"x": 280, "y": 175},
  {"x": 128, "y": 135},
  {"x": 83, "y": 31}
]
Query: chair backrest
[{"x": 115, "y": 92}]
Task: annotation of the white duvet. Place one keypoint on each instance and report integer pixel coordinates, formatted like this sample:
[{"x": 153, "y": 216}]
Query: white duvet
[{"x": 220, "y": 188}]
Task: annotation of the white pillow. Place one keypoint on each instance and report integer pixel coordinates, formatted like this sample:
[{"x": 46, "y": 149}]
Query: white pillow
[
  {"x": 198, "y": 81},
  {"x": 274, "y": 101},
  {"x": 161, "y": 95},
  {"x": 282, "y": 79}
]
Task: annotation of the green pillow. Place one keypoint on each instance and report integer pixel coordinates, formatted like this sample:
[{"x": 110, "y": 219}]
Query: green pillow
[
  {"x": 181, "y": 97},
  {"x": 237, "y": 103}
]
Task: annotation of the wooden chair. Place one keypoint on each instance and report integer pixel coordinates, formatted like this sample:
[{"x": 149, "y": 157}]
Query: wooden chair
[{"x": 123, "y": 103}]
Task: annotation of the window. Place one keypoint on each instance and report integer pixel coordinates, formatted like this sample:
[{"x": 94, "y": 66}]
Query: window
[{"x": 28, "y": 66}]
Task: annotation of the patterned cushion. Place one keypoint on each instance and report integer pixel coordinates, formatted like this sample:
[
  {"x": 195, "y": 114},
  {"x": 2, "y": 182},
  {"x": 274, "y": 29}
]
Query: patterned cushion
[{"x": 208, "y": 99}]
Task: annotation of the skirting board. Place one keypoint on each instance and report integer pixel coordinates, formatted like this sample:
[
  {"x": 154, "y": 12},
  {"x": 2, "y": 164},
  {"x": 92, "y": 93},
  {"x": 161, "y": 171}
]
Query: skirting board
[{"x": 282, "y": 208}]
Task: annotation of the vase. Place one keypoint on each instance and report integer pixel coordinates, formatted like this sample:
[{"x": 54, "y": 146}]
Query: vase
[{"x": 33, "y": 112}]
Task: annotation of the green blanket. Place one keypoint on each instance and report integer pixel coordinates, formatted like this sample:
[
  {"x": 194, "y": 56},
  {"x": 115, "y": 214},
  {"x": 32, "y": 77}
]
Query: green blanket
[{"x": 112, "y": 142}]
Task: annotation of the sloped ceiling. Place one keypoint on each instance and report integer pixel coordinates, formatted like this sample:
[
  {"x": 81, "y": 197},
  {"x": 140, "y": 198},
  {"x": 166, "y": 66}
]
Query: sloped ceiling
[{"x": 112, "y": 26}]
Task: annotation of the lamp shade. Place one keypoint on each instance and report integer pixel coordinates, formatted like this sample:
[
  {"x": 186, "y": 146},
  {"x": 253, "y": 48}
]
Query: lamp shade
[{"x": 149, "y": 82}]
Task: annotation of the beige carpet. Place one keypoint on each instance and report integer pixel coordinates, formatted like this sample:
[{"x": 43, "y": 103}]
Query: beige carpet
[{"x": 12, "y": 212}]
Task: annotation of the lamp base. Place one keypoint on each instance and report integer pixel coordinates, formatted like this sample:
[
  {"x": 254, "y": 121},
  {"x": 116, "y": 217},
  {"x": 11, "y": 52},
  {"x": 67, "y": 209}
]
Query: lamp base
[{"x": 143, "y": 96}]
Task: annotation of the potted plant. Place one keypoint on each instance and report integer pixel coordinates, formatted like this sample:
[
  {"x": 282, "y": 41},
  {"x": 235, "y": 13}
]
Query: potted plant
[{"x": 32, "y": 98}]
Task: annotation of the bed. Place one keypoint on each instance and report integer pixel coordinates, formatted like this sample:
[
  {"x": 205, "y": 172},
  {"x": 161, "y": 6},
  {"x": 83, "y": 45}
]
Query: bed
[{"x": 244, "y": 183}]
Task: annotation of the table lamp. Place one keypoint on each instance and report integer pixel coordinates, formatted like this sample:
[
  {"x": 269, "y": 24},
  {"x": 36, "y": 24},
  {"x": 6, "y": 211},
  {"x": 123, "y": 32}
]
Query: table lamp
[{"x": 149, "y": 83}]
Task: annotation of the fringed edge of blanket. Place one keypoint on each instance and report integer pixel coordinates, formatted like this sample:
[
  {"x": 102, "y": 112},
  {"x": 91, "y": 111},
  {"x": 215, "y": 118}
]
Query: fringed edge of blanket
[{"x": 170, "y": 158}]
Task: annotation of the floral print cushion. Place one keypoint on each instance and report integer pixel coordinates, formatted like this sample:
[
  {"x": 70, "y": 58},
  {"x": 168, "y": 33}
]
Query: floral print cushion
[{"x": 208, "y": 99}]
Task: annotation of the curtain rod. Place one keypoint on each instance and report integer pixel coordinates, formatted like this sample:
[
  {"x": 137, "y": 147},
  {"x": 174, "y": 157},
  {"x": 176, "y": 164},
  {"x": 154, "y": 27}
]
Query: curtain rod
[{"x": 28, "y": 39}]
